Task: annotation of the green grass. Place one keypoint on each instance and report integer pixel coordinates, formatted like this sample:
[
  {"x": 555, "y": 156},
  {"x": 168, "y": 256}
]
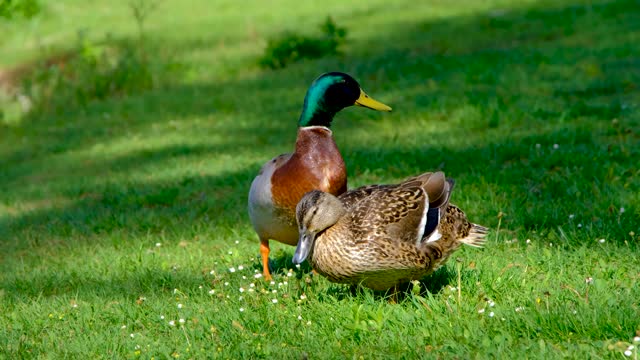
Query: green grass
[{"x": 481, "y": 89}]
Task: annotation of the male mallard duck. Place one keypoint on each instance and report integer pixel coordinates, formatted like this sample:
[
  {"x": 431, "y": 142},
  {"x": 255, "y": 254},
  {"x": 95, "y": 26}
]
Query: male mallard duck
[
  {"x": 381, "y": 236},
  {"x": 316, "y": 162}
]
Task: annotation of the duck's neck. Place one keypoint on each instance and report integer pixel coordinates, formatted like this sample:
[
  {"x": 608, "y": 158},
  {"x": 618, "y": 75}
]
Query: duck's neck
[
  {"x": 315, "y": 112},
  {"x": 318, "y": 155},
  {"x": 319, "y": 138}
]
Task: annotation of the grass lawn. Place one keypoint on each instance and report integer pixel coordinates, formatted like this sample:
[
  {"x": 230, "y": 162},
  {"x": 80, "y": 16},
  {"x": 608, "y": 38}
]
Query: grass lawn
[{"x": 123, "y": 223}]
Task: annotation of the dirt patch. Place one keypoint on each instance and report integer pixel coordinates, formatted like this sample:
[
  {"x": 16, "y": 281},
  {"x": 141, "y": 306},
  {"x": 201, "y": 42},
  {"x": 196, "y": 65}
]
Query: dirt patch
[{"x": 10, "y": 78}]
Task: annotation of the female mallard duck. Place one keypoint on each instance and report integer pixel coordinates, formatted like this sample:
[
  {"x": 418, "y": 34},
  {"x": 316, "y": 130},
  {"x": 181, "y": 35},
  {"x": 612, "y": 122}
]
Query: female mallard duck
[
  {"x": 381, "y": 236},
  {"x": 316, "y": 162}
]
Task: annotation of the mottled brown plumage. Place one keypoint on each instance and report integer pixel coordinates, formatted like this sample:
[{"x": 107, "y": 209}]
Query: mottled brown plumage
[{"x": 383, "y": 235}]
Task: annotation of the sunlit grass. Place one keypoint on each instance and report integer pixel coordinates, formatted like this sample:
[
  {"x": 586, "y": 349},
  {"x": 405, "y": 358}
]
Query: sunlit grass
[{"x": 120, "y": 222}]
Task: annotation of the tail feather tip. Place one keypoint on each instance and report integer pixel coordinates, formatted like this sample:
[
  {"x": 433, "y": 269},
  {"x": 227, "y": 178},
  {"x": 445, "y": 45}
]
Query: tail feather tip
[{"x": 477, "y": 236}]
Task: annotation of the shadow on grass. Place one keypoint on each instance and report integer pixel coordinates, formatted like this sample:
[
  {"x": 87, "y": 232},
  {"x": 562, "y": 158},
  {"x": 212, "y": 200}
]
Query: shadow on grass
[
  {"x": 516, "y": 77},
  {"x": 431, "y": 284},
  {"x": 129, "y": 283}
]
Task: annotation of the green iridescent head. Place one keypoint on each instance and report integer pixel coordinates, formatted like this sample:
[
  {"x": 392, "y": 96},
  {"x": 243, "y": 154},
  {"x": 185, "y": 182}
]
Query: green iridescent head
[{"x": 330, "y": 93}]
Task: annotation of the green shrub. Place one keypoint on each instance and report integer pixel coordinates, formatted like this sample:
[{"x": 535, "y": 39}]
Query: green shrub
[
  {"x": 94, "y": 72},
  {"x": 19, "y": 8},
  {"x": 291, "y": 47}
]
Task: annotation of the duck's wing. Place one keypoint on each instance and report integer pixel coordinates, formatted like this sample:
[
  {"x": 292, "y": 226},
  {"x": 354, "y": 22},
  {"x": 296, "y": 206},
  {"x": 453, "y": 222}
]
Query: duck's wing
[
  {"x": 354, "y": 196},
  {"x": 437, "y": 186},
  {"x": 392, "y": 212}
]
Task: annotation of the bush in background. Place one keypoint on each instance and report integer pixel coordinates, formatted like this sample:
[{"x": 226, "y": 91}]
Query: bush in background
[
  {"x": 291, "y": 47},
  {"x": 24, "y": 8},
  {"x": 89, "y": 72},
  {"x": 93, "y": 71}
]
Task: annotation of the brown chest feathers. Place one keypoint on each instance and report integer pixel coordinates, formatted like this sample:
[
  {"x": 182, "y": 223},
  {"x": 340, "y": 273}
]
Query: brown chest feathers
[{"x": 316, "y": 164}]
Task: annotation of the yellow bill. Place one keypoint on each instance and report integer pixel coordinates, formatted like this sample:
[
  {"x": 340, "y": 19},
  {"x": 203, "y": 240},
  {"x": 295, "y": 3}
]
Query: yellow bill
[{"x": 365, "y": 101}]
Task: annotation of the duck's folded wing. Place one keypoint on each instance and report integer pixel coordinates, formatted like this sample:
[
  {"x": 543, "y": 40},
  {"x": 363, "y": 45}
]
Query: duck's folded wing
[
  {"x": 393, "y": 212},
  {"x": 355, "y": 196}
]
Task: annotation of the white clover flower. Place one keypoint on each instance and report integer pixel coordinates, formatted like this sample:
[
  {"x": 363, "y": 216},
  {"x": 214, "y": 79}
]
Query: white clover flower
[
  {"x": 556, "y": 146},
  {"x": 179, "y": 306},
  {"x": 181, "y": 321},
  {"x": 491, "y": 314},
  {"x": 589, "y": 280},
  {"x": 628, "y": 353},
  {"x": 579, "y": 225},
  {"x": 226, "y": 283},
  {"x": 275, "y": 301},
  {"x": 289, "y": 274},
  {"x": 491, "y": 303},
  {"x": 240, "y": 298},
  {"x": 158, "y": 244},
  {"x": 244, "y": 277},
  {"x": 230, "y": 252},
  {"x": 528, "y": 241},
  {"x": 297, "y": 266},
  {"x": 250, "y": 290},
  {"x": 309, "y": 322},
  {"x": 272, "y": 283},
  {"x": 538, "y": 146},
  {"x": 123, "y": 327},
  {"x": 241, "y": 309},
  {"x": 172, "y": 323},
  {"x": 232, "y": 269},
  {"x": 161, "y": 317},
  {"x": 252, "y": 285},
  {"x": 299, "y": 317},
  {"x": 212, "y": 272},
  {"x": 75, "y": 305},
  {"x": 571, "y": 216},
  {"x": 257, "y": 276},
  {"x": 131, "y": 335},
  {"x": 280, "y": 284},
  {"x": 621, "y": 210},
  {"x": 481, "y": 311},
  {"x": 285, "y": 283},
  {"x": 303, "y": 296},
  {"x": 636, "y": 339},
  {"x": 240, "y": 267},
  {"x": 520, "y": 308},
  {"x": 274, "y": 291},
  {"x": 241, "y": 289},
  {"x": 237, "y": 241},
  {"x": 601, "y": 241},
  {"x": 211, "y": 292}
]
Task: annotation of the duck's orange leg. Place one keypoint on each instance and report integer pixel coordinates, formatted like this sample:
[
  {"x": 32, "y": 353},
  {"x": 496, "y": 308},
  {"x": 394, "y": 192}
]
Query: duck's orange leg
[
  {"x": 264, "y": 253},
  {"x": 393, "y": 299}
]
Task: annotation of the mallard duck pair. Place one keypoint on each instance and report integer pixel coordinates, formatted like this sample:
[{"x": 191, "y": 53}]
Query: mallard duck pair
[{"x": 378, "y": 235}]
